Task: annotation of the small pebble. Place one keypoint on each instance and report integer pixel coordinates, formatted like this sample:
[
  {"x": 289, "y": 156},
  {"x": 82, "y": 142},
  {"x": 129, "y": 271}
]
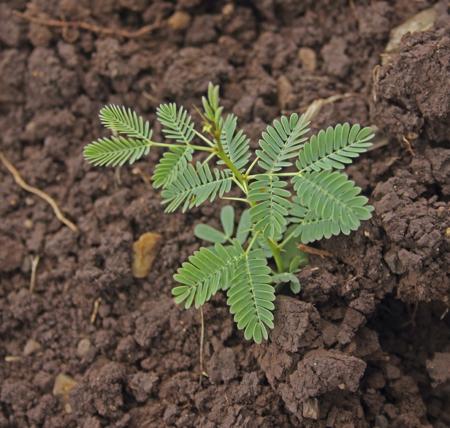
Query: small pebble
[
  {"x": 308, "y": 59},
  {"x": 28, "y": 223},
  {"x": 63, "y": 385},
  {"x": 285, "y": 90},
  {"x": 31, "y": 347},
  {"x": 311, "y": 409},
  {"x": 83, "y": 348},
  {"x": 179, "y": 20},
  {"x": 144, "y": 253},
  {"x": 29, "y": 201},
  {"x": 228, "y": 9}
]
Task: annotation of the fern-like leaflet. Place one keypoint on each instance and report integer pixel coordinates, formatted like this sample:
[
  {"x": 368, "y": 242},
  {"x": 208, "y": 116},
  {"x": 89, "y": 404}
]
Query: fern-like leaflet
[
  {"x": 334, "y": 148},
  {"x": 308, "y": 226},
  {"x": 177, "y": 123},
  {"x": 195, "y": 185},
  {"x": 235, "y": 144},
  {"x": 271, "y": 204},
  {"x": 331, "y": 195},
  {"x": 172, "y": 163},
  {"x": 116, "y": 151},
  {"x": 211, "y": 107},
  {"x": 251, "y": 296},
  {"x": 281, "y": 142},
  {"x": 125, "y": 121},
  {"x": 207, "y": 271}
]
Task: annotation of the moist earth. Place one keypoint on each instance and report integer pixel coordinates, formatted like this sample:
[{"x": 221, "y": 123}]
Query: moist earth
[{"x": 366, "y": 343}]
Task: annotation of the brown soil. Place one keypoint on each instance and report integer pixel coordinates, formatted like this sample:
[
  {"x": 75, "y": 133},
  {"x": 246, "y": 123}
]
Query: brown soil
[{"x": 366, "y": 343}]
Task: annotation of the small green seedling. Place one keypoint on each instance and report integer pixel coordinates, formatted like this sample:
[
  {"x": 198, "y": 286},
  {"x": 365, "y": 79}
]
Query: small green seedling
[{"x": 285, "y": 204}]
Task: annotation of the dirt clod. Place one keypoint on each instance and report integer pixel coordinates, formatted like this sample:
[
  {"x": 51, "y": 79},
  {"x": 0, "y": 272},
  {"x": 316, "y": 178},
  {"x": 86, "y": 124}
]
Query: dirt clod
[
  {"x": 439, "y": 368},
  {"x": 222, "y": 366},
  {"x": 12, "y": 253},
  {"x": 412, "y": 92},
  {"x": 142, "y": 385}
]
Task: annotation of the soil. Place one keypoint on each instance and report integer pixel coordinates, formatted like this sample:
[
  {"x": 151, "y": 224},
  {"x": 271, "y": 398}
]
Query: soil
[{"x": 366, "y": 343}]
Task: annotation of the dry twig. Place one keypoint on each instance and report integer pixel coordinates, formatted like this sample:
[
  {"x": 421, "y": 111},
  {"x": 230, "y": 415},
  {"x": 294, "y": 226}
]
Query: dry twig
[
  {"x": 313, "y": 109},
  {"x": 19, "y": 180},
  {"x": 202, "y": 340},
  {"x": 34, "y": 265},
  {"x": 408, "y": 146},
  {"x": 48, "y": 22},
  {"x": 315, "y": 251},
  {"x": 95, "y": 310},
  {"x": 12, "y": 358},
  {"x": 117, "y": 177}
]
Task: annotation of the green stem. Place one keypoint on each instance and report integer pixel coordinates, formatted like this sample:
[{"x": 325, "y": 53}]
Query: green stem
[
  {"x": 210, "y": 156},
  {"x": 237, "y": 182},
  {"x": 252, "y": 241},
  {"x": 226, "y": 160},
  {"x": 201, "y": 148},
  {"x": 274, "y": 248},
  {"x": 219, "y": 150},
  {"x": 231, "y": 198},
  {"x": 287, "y": 239},
  {"x": 276, "y": 252},
  {"x": 165, "y": 145},
  {"x": 202, "y": 137},
  {"x": 279, "y": 174},
  {"x": 249, "y": 170},
  {"x": 286, "y": 174}
]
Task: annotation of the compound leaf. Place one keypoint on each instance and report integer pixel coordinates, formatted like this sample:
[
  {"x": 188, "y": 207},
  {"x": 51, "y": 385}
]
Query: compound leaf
[
  {"x": 235, "y": 144},
  {"x": 205, "y": 272},
  {"x": 116, "y": 151},
  {"x": 170, "y": 165},
  {"x": 195, "y": 185},
  {"x": 177, "y": 123},
  {"x": 331, "y": 203},
  {"x": 125, "y": 121},
  {"x": 281, "y": 141},
  {"x": 308, "y": 226},
  {"x": 334, "y": 148},
  {"x": 211, "y": 107},
  {"x": 251, "y": 296},
  {"x": 271, "y": 204}
]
